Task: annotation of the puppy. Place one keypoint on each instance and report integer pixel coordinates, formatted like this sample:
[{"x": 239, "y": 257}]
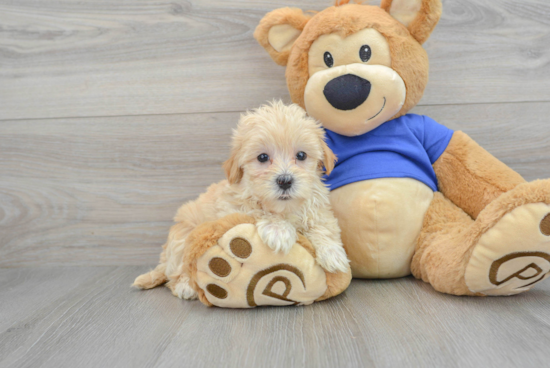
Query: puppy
[{"x": 274, "y": 175}]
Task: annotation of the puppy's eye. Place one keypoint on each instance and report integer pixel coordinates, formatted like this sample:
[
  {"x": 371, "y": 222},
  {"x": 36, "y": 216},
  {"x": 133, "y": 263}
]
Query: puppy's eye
[
  {"x": 365, "y": 53},
  {"x": 263, "y": 157},
  {"x": 301, "y": 156},
  {"x": 329, "y": 60}
]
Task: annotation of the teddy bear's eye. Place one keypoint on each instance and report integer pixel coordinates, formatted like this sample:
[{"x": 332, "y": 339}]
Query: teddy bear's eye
[
  {"x": 365, "y": 53},
  {"x": 329, "y": 61}
]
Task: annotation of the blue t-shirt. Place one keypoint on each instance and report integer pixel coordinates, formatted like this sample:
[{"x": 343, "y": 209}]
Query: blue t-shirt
[{"x": 405, "y": 147}]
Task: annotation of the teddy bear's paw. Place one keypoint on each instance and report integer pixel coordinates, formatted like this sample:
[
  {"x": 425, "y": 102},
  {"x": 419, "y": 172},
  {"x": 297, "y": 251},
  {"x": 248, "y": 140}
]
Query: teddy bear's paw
[
  {"x": 514, "y": 254},
  {"x": 243, "y": 272}
]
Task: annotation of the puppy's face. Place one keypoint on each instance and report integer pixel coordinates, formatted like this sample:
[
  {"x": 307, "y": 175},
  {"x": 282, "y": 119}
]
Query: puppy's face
[{"x": 277, "y": 157}]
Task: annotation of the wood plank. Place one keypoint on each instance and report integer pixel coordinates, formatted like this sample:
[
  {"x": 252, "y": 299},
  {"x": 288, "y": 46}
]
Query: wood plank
[
  {"x": 112, "y": 185},
  {"x": 102, "y": 323},
  {"x": 403, "y": 322},
  {"x": 64, "y": 58},
  {"x": 24, "y": 292},
  {"x": 102, "y": 191},
  {"x": 416, "y": 326}
]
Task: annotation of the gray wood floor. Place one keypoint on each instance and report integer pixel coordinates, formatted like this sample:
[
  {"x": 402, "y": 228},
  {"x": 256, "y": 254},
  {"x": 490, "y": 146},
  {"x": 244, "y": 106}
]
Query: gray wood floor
[
  {"x": 90, "y": 317},
  {"x": 113, "y": 113}
]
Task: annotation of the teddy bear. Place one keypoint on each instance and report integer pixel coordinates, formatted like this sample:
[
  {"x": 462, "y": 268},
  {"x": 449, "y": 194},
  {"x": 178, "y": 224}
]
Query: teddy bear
[{"x": 411, "y": 196}]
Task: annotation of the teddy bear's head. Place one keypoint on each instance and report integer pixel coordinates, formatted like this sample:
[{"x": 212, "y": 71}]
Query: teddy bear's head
[{"x": 353, "y": 66}]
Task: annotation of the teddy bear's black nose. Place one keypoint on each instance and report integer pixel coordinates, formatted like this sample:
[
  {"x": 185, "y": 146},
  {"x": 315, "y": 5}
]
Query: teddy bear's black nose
[{"x": 347, "y": 92}]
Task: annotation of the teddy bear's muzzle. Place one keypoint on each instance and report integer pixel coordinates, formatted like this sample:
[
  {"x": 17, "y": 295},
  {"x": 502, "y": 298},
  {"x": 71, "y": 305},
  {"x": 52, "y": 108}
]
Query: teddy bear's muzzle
[{"x": 355, "y": 98}]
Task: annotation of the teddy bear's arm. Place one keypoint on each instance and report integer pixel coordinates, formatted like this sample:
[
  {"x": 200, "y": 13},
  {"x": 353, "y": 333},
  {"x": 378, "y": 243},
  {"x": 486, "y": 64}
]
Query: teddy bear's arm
[{"x": 470, "y": 176}]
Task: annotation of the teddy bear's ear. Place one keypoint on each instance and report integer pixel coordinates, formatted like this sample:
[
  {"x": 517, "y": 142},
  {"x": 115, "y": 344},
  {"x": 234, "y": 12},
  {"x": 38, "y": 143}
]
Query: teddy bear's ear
[
  {"x": 419, "y": 16},
  {"x": 278, "y": 30}
]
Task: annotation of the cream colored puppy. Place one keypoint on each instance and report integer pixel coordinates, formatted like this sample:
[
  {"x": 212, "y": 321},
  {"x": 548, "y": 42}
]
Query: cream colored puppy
[{"x": 274, "y": 175}]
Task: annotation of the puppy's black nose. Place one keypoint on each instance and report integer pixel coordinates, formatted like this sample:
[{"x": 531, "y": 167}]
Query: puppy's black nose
[
  {"x": 347, "y": 92},
  {"x": 284, "y": 182}
]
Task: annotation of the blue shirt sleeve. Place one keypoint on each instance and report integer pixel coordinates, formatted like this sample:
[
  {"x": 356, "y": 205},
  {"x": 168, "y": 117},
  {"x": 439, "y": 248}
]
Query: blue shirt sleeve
[{"x": 434, "y": 137}]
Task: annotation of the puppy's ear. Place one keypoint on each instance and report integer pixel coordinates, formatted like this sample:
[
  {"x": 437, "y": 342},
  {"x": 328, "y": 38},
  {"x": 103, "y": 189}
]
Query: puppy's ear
[
  {"x": 233, "y": 171},
  {"x": 419, "y": 16},
  {"x": 278, "y": 30},
  {"x": 329, "y": 158}
]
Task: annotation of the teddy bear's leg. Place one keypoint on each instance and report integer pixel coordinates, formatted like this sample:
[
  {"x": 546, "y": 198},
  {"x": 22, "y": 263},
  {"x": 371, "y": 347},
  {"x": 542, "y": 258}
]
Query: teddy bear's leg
[
  {"x": 439, "y": 255},
  {"x": 505, "y": 251},
  {"x": 229, "y": 266}
]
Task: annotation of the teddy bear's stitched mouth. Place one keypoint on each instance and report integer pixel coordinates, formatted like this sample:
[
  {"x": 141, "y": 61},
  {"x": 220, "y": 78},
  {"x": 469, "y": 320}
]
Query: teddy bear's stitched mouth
[{"x": 378, "y": 113}]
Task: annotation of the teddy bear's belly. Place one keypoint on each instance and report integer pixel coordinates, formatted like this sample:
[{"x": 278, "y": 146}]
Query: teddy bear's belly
[{"x": 380, "y": 221}]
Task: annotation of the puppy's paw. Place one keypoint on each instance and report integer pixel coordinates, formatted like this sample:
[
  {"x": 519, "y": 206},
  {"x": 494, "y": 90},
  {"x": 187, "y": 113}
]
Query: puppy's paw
[
  {"x": 278, "y": 235},
  {"x": 183, "y": 290},
  {"x": 332, "y": 258}
]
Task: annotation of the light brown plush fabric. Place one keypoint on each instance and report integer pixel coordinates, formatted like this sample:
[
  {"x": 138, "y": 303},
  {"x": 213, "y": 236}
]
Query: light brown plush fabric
[
  {"x": 424, "y": 22},
  {"x": 449, "y": 235},
  {"x": 292, "y": 16},
  {"x": 471, "y": 177},
  {"x": 408, "y": 57},
  {"x": 207, "y": 235},
  {"x": 439, "y": 258},
  {"x": 201, "y": 239},
  {"x": 336, "y": 282}
]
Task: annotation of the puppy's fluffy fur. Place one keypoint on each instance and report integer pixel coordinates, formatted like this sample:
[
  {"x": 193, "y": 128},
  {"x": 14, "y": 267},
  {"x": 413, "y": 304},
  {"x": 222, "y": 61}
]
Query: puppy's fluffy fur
[{"x": 253, "y": 187}]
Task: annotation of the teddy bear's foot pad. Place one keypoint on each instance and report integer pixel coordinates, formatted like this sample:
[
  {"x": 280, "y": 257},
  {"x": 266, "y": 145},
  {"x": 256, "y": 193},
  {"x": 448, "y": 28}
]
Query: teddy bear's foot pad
[
  {"x": 513, "y": 255},
  {"x": 242, "y": 272}
]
